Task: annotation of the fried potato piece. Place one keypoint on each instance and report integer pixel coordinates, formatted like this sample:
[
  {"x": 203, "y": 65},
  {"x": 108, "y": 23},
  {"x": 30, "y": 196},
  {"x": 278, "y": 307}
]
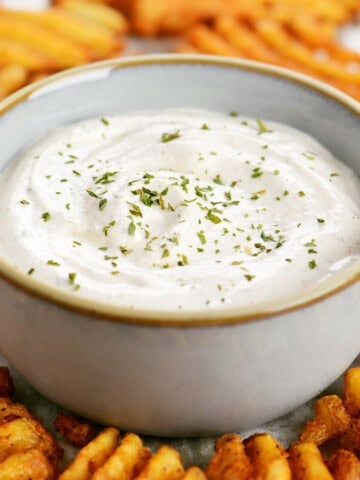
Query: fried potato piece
[
  {"x": 344, "y": 465},
  {"x": 352, "y": 391},
  {"x": 12, "y": 77},
  {"x": 75, "y": 430},
  {"x": 30, "y": 465},
  {"x": 14, "y": 53},
  {"x": 92, "y": 456},
  {"x": 230, "y": 461},
  {"x": 22, "y": 434},
  {"x": 6, "y": 381},
  {"x": 268, "y": 458},
  {"x": 331, "y": 419},
  {"x": 306, "y": 463},
  {"x": 165, "y": 464},
  {"x": 123, "y": 462},
  {"x": 207, "y": 41},
  {"x": 350, "y": 439},
  {"x": 9, "y": 410},
  {"x": 97, "y": 13},
  {"x": 193, "y": 473},
  {"x": 96, "y": 38},
  {"x": 276, "y": 36},
  {"x": 63, "y": 51}
]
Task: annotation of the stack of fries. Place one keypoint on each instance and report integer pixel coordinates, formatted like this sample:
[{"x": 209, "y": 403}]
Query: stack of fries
[
  {"x": 74, "y": 32},
  {"x": 296, "y": 34},
  {"x": 29, "y": 452}
]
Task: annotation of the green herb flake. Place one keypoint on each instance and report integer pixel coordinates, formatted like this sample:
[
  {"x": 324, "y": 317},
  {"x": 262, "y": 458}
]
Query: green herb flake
[
  {"x": 53, "y": 263},
  {"x": 72, "y": 277},
  {"x": 301, "y": 194},
  {"x": 102, "y": 204},
  {"x": 131, "y": 227},
  {"x": 320, "y": 220},
  {"x": 262, "y": 128},
  {"x": 168, "y": 137},
  {"x": 67, "y": 206},
  {"x": 249, "y": 277},
  {"x": 92, "y": 194},
  {"x": 105, "y": 121},
  {"x": 256, "y": 173},
  {"x": 217, "y": 180},
  {"x": 202, "y": 237},
  {"x": 213, "y": 218},
  {"x": 46, "y": 216},
  {"x": 204, "y": 127},
  {"x": 165, "y": 253},
  {"x": 107, "y": 228},
  {"x": 233, "y": 114},
  {"x": 312, "y": 264},
  {"x": 31, "y": 271},
  {"x": 24, "y": 202},
  {"x": 75, "y": 172}
]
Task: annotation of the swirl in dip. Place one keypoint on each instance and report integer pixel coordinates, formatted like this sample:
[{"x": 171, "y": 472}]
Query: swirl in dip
[{"x": 180, "y": 209}]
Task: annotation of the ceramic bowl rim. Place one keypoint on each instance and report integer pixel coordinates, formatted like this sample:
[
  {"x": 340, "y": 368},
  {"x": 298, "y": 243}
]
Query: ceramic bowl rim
[{"x": 82, "y": 305}]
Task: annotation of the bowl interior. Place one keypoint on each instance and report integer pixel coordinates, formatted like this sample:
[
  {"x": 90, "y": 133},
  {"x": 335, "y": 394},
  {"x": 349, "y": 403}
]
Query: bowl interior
[{"x": 153, "y": 82}]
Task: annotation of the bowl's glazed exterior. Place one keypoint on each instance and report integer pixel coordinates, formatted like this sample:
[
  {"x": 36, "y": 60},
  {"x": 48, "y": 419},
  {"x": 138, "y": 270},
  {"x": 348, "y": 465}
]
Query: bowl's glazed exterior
[{"x": 180, "y": 375}]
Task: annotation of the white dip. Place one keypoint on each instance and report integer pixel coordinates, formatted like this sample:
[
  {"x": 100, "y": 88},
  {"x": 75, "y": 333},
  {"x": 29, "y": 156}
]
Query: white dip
[{"x": 179, "y": 209}]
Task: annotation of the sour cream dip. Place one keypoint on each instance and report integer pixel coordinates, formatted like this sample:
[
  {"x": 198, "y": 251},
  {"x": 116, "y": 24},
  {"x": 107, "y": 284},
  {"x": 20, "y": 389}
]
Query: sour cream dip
[{"x": 179, "y": 209}]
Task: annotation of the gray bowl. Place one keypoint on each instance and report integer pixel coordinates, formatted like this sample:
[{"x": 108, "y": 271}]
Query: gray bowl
[{"x": 179, "y": 374}]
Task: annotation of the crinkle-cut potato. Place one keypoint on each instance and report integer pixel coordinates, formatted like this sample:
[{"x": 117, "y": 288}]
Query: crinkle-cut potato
[
  {"x": 6, "y": 381},
  {"x": 344, "y": 465},
  {"x": 350, "y": 439},
  {"x": 193, "y": 473},
  {"x": 165, "y": 464},
  {"x": 268, "y": 458},
  {"x": 306, "y": 463},
  {"x": 352, "y": 391},
  {"x": 12, "y": 77},
  {"x": 75, "y": 430},
  {"x": 96, "y": 13},
  {"x": 230, "y": 461},
  {"x": 331, "y": 419},
  {"x": 22, "y": 434},
  {"x": 15, "y": 53},
  {"x": 92, "y": 456},
  {"x": 30, "y": 465},
  {"x": 124, "y": 463},
  {"x": 98, "y": 39}
]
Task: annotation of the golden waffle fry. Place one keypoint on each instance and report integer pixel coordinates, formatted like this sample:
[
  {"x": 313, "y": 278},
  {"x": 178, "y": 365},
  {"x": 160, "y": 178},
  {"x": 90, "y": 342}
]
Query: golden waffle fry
[
  {"x": 193, "y": 473},
  {"x": 14, "y": 53},
  {"x": 123, "y": 463},
  {"x": 331, "y": 419},
  {"x": 352, "y": 391},
  {"x": 230, "y": 461},
  {"x": 30, "y": 465},
  {"x": 268, "y": 458},
  {"x": 165, "y": 464},
  {"x": 344, "y": 465},
  {"x": 22, "y": 434},
  {"x": 92, "y": 457},
  {"x": 12, "y": 77},
  {"x": 64, "y": 52},
  {"x": 97, "y": 13},
  {"x": 96, "y": 38},
  {"x": 207, "y": 41},
  {"x": 307, "y": 464}
]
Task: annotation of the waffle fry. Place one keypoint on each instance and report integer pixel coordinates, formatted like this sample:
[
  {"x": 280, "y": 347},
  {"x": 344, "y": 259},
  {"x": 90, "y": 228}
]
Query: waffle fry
[
  {"x": 344, "y": 465},
  {"x": 76, "y": 431},
  {"x": 268, "y": 458},
  {"x": 30, "y": 465},
  {"x": 12, "y": 77},
  {"x": 307, "y": 464},
  {"x": 97, "y": 13}
]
